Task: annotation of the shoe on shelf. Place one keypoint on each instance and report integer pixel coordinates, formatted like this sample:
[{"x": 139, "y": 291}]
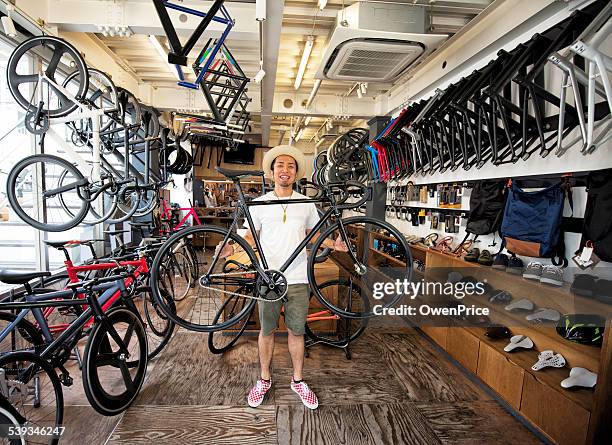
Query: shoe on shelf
[
  {"x": 485, "y": 258},
  {"x": 515, "y": 265},
  {"x": 501, "y": 261},
  {"x": 258, "y": 392},
  {"x": 603, "y": 291},
  {"x": 552, "y": 275},
  {"x": 533, "y": 271},
  {"x": 309, "y": 398},
  {"x": 472, "y": 255},
  {"x": 584, "y": 285}
]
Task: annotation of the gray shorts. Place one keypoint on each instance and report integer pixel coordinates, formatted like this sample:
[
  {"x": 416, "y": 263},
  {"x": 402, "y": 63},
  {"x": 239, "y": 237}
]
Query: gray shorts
[{"x": 296, "y": 310}]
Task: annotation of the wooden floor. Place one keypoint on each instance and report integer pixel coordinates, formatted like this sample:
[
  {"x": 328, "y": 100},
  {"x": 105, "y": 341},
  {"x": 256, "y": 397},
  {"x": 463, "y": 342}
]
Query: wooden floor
[{"x": 396, "y": 390}]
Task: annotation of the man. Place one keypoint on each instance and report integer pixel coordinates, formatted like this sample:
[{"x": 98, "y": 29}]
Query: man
[{"x": 281, "y": 228}]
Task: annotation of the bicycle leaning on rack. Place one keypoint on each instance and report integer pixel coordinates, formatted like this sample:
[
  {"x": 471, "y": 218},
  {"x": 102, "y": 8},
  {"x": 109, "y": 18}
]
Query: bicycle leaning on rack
[{"x": 361, "y": 267}]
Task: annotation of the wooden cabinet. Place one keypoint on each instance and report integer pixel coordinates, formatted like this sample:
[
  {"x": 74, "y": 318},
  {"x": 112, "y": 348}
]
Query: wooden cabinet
[
  {"x": 464, "y": 347},
  {"x": 501, "y": 374},
  {"x": 564, "y": 421}
]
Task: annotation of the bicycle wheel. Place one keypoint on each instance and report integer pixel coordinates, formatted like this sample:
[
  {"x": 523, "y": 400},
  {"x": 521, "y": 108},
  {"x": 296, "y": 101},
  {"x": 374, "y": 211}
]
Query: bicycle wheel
[
  {"x": 115, "y": 362},
  {"x": 105, "y": 204},
  {"x": 58, "y": 57},
  {"x": 25, "y": 336},
  {"x": 128, "y": 202},
  {"x": 221, "y": 341},
  {"x": 382, "y": 257},
  {"x": 198, "y": 310},
  {"x": 36, "y": 178},
  {"x": 159, "y": 327},
  {"x": 179, "y": 272},
  {"x": 31, "y": 392},
  {"x": 322, "y": 326}
]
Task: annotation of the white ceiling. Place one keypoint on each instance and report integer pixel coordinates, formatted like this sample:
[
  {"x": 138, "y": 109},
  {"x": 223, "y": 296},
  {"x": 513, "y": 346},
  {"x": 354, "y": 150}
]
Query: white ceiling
[{"x": 300, "y": 18}]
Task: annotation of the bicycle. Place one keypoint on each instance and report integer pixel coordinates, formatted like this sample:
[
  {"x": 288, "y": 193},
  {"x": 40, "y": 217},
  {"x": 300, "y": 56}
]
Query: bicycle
[
  {"x": 362, "y": 263},
  {"x": 159, "y": 328},
  {"x": 117, "y": 341}
]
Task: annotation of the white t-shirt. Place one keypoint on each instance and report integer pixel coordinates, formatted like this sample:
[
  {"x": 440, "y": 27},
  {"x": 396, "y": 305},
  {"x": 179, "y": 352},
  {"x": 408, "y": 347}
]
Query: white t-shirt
[{"x": 279, "y": 239}]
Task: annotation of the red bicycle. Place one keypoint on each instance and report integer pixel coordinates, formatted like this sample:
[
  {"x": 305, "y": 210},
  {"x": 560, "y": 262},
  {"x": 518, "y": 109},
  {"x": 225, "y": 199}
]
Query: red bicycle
[{"x": 159, "y": 327}]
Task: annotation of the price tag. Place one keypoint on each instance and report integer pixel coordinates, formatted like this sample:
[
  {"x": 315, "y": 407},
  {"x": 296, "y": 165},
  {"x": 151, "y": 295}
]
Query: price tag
[{"x": 586, "y": 254}]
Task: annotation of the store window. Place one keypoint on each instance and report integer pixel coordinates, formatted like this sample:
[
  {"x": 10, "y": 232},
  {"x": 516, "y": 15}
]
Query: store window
[
  {"x": 17, "y": 239},
  {"x": 21, "y": 246}
]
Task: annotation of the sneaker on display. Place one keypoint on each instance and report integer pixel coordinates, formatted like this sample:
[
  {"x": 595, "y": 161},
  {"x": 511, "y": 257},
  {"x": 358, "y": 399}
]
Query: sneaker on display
[
  {"x": 258, "y": 392},
  {"x": 603, "y": 291},
  {"x": 501, "y": 261},
  {"x": 552, "y": 275},
  {"x": 485, "y": 258},
  {"x": 533, "y": 271},
  {"x": 515, "y": 265},
  {"x": 584, "y": 285},
  {"x": 308, "y": 397}
]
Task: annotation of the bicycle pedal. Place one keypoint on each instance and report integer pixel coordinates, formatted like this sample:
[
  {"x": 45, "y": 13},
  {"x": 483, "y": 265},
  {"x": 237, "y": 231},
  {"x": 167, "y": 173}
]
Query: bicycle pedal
[{"x": 66, "y": 380}]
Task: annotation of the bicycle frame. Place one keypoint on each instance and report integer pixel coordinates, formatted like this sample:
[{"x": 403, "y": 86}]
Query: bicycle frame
[
  {"x": 243, "y": 208},
  {"x": 141, "y": 269},
  {"x": 167, "y": 213},
  {"x": 35, "y": 303},
  {"x": 178, "y": 55}
]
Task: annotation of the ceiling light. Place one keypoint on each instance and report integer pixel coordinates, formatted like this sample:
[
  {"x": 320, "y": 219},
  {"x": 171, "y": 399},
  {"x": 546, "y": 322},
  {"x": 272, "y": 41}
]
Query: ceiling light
[
  {"x": 259, "y": 76},
  {"x": 322, "y": 4},
  {"x": 313, "y": 93},
  {"x": 363, "y": 87},
  {"x": 329, "y": 125},
  {"x": 299, "y": 134},
  {"x": 307, "y": 121},
  {"x": 164, "y": 56},
  {"x": 7, "y": 23},
  {"x": 303, "y": 62},
  {"x": 359, "y": 92},
  {"x": 260, "y": 10}
]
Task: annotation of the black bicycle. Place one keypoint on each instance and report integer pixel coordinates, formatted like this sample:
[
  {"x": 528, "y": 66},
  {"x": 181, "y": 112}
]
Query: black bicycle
[{"x": 363, "y": 266}]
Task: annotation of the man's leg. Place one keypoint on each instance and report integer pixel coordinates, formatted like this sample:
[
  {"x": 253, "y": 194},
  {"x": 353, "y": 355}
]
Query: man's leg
[
  {"x": 296, "y": 349},
  {"x": 296, "y": 311},
  {"x": 266, "y": 350}
]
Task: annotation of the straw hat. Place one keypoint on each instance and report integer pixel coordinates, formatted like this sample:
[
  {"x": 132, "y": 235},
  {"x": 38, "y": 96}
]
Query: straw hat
[{"x": 280, "y": 150}]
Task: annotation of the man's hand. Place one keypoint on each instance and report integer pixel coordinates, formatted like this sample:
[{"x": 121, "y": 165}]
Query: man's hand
[
  {"x": 340, "y": 245},
  {"x": 227, "y": 250}
]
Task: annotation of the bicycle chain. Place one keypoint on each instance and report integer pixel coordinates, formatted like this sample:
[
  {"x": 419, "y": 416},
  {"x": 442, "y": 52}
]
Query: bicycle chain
[{"x": 238, "y": 294}]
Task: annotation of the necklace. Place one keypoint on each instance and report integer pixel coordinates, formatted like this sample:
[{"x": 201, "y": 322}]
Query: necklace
[{"x": 283, "y": 206}]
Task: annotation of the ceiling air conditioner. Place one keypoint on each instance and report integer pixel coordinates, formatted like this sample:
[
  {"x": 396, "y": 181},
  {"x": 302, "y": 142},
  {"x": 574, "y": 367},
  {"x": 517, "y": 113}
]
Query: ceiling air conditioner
[{"x": 376, "y": 42}]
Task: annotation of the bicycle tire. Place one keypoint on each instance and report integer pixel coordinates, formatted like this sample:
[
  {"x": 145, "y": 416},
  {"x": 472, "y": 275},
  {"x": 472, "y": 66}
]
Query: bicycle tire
[
  {"x": 25, "y": 336},
  {"x": 12, "y": 194},
  {"x": 150, "y": 311},
  {"x": 13, "y": 76},
  {"x": 314, "y": 334},
  {"x": 22, "y": 378},
  {"x": 405, "y": 272},
  {"x": 158, "y": 266},
  {"x": 237, "y": 331},
  {"x": 99, "y": 345}
]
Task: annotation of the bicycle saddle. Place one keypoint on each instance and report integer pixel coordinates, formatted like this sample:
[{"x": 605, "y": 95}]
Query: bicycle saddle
[
  {"x": 522, "y": 304},
  {"x": 15, "y": 277},
  {"x": 70, "y": 243},
  {"x": 580, "y": 377},
  {"x": 545, "y": 314},
  {"x": 519, "y": 341},
  {"x": 228, "y": 173}
]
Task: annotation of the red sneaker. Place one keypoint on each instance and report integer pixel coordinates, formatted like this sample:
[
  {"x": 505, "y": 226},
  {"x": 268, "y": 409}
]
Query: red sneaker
[
  {"x": 258, "y": 392},
  {"x": 309, "y": 398}
]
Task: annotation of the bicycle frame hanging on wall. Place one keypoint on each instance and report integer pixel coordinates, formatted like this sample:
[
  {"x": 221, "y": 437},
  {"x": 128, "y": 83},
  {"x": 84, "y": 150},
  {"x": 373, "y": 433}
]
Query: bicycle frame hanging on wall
[{"x": 178, "y": 52}]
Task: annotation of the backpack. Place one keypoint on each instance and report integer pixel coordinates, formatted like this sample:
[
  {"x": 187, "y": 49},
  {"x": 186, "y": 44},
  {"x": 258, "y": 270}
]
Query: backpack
[
  {"x": 598, "y": 214},
  {"x": 531, "y": 223},
  {"x": 487, "y": 203}
]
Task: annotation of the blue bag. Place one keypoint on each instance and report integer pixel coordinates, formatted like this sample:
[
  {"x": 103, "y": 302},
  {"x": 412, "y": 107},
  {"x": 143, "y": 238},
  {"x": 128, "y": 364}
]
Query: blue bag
[{"x": 531, "y": 224}]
